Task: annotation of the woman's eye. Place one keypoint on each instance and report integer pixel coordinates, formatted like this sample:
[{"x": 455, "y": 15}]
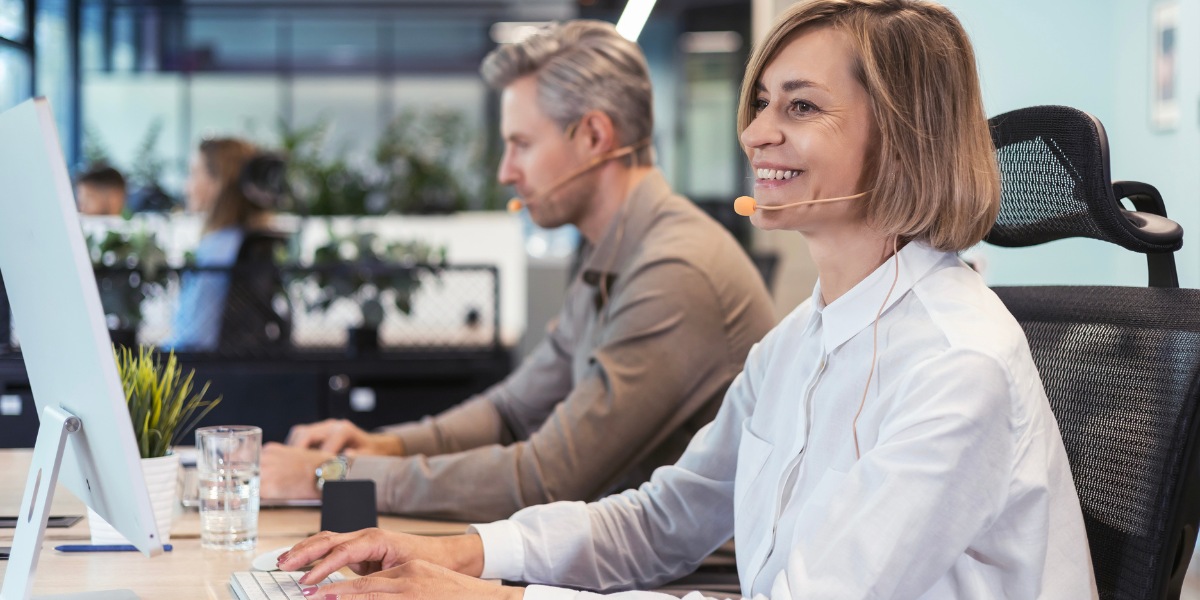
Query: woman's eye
[
  {"x": 760, "y": 105},
  {"x": 803, "y": 107}
]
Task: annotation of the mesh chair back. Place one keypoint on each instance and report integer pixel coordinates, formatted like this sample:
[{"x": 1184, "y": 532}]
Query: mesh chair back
[
  {"x": 1054, "y": 168},
  {"x": 250, "y": 323},
  {"x": 1121, "y": 367}
]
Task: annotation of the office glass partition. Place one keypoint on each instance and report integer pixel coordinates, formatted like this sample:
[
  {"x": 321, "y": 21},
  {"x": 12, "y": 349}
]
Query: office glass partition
[
  {"x": 225, "y": 42},
  {"x": 710, "y": 146},
  {"x": 321, "y": 43},
  {"x": 14, "y": 20},
  {"x": 14, "y": 77},
  {"x": 54, "y": 68}
]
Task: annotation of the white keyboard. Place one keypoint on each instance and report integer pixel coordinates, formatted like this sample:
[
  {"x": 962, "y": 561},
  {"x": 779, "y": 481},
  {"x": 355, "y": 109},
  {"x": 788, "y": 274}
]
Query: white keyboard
[{"x": 275, "y": 585}]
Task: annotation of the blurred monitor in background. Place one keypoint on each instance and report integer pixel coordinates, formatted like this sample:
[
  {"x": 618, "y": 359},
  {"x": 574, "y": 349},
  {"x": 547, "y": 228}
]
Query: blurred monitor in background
[
  {"x": 100, "y": 191},
  {"x": 231, "y": 183}
]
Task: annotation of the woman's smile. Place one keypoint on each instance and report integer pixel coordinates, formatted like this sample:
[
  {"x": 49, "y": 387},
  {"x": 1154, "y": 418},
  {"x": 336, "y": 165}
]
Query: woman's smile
[{"x": 771, "y": 176}]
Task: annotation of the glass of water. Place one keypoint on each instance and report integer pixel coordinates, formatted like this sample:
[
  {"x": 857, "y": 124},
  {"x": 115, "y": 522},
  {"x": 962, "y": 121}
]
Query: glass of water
[{"x": 227, "y": 467}]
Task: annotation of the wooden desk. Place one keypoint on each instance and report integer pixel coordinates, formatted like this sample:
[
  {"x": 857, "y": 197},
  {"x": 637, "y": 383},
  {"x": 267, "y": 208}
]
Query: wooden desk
[{"x": 188, "y": 571}]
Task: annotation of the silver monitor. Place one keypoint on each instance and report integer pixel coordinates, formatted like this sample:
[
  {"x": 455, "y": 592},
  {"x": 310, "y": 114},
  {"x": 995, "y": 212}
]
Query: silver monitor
[{"x": 85, "y": 425}]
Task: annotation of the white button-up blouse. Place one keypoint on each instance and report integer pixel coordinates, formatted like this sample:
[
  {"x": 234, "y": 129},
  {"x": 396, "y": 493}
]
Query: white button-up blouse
[{"x": 962, "y": 490}]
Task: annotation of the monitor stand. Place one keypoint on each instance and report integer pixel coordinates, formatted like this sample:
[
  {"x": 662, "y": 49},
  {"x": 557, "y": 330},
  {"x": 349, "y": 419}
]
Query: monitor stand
[{"x": 56, "y": 425}]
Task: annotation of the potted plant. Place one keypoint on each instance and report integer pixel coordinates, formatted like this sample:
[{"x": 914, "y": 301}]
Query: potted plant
[
  {"x": 162, "y": 409},
  {"x": 145, "y": 177},
  {"x": 322, "y": 186},
  {"x": 421, "y": 156},
  {"x": 425, "y": 162},
  {"x": 129, "y": 266},
  {"x": 370, "y": 273}
]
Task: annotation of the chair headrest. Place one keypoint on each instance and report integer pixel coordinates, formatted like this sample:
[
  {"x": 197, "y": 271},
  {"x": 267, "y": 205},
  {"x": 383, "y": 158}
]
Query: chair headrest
[{"x": 1056, "y": 183}]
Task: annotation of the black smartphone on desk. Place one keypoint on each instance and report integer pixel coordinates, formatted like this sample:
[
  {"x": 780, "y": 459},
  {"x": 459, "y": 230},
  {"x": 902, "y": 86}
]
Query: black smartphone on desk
[{"x": 348, "y": 506}]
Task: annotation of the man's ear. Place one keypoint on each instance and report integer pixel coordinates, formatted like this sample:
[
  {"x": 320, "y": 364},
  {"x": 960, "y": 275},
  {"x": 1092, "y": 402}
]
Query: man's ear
[{"x": 596, "y": 128}]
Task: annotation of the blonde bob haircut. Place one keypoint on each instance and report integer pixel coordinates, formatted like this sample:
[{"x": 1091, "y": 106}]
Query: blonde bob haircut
[{"x": 935, "y": 177}]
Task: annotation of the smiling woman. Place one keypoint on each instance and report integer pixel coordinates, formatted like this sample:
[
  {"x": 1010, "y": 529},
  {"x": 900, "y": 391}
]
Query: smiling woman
[{"x": 907, "y": 118}]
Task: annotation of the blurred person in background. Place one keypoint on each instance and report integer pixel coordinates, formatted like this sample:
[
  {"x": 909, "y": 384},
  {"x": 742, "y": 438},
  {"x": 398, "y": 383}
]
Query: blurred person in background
[
  {"x": 217, "y": 189},
  {"x": 655, "y": 326},
  {"x": 100, "y": 191}
]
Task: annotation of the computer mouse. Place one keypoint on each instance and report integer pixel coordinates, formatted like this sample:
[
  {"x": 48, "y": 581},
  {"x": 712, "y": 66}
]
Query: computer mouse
[{"x": 268, "y": 560}]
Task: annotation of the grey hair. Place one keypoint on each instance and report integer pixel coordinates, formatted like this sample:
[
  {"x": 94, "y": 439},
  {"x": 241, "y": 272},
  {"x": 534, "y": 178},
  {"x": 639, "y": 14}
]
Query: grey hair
[{"x": 582, "y": 66}]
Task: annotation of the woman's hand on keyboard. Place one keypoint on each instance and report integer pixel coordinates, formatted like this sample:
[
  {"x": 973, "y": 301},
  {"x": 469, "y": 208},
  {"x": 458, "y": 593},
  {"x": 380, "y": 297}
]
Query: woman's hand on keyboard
[
  {"x": 374, "y": 550},
  {"x": 417, "y": 579}
]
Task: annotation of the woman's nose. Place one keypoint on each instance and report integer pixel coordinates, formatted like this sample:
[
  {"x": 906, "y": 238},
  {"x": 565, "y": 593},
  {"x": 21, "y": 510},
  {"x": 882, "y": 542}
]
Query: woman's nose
[{"x": 762, "y": 131}]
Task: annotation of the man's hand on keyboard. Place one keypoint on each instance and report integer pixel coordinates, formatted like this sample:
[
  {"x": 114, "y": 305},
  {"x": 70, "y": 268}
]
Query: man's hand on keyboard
[
  {"x": 290, "y": 473},
  {"x": 419, "y": 579},
  {"x": 374, "y": 550},
  {"x": 340, "y": 436}
]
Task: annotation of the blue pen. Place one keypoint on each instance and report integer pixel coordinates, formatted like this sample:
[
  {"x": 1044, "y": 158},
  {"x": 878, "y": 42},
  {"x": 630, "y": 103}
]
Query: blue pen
[{"x": 118, "y": 548}]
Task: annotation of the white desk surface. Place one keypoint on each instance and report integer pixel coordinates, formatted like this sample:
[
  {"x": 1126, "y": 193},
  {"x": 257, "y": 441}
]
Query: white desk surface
[
  {"x": 191, "y": 572},
  {"x": 186, "y": 572}
]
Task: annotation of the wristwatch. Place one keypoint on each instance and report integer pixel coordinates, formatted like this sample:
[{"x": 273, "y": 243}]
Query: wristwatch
[{"x": 334, "y": 469}]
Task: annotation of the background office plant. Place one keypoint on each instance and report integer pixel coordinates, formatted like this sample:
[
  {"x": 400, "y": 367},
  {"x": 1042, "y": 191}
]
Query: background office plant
[
  {"x": 371, "y": 274},
  {"x": 130, "y": 266},
  {"x": 424, "y": 159},
  {"x": 322, "y": 185},
  {"x": 426, "y": 162}
]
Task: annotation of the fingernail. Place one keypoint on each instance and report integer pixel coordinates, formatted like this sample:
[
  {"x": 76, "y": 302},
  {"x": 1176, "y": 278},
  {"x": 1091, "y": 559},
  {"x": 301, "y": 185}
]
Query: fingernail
[
  {"x": 331, "y": 597},
  {"x": 309, "y": 591},
  {"x": 282, "y": 557},
  {"x": 303, "y": 578}
]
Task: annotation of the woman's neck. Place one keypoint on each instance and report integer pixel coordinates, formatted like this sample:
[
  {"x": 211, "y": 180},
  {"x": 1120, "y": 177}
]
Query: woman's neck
[{"x": 846, "y": 256}]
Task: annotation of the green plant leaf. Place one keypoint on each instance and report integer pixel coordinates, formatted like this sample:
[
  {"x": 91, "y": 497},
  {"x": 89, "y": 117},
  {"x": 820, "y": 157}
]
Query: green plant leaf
[{"x": 159, "y": 399}]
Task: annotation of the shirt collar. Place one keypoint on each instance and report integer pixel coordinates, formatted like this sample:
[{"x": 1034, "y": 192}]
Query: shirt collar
[
  {"x": 635, "y": 216},
  {"x": 856, "y": 309}
]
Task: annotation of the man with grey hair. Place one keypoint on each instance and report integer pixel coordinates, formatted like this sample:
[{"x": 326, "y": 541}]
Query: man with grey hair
[{"x": 655, "y": 327}]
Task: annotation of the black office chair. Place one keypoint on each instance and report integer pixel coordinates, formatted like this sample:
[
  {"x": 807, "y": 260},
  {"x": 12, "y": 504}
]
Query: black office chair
[
  {"x": 250, "y": 323},
  {"x": 1121, "y": 365}
]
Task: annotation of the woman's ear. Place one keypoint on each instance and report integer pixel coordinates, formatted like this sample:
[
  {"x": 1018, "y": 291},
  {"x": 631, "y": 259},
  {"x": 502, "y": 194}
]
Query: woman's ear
[{"x": 597, "y": 130}]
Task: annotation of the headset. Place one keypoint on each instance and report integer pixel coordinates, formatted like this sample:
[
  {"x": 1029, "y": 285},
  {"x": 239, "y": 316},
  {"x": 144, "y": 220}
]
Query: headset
[
  {"x": 516, "y": 204},
  {"x": 263, "y": 181},
  {"x": 746, "y": 206}
]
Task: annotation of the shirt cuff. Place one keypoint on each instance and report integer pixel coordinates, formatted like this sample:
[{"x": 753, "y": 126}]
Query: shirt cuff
[
  {"x": 545, "y": 592},
  {"x": 503, "y": 550},
  {"x": 377, "y": 469}
]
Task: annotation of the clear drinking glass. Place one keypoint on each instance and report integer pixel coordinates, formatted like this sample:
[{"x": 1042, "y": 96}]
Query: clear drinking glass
[{"x": 227, "y": 467}]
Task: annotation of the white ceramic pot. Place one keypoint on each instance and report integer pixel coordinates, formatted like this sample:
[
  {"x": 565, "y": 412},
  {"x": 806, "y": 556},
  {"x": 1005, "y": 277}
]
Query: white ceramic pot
[{"x": 161, "y": 474}]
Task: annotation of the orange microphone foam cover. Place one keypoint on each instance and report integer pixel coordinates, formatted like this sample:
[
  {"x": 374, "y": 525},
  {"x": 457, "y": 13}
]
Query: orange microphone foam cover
[
  {"x": 515, "y": 205},
  {"x": 745, "y": 206}
]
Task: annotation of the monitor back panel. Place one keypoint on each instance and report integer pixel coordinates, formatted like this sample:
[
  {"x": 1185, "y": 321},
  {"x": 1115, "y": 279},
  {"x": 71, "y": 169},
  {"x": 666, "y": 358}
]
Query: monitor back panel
[{"x": 60, "y": 323}]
